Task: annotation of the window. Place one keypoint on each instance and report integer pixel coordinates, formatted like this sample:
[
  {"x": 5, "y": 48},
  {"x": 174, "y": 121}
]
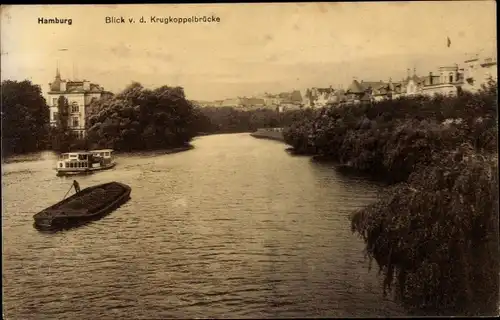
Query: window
[
  {"x": 451, "y": 77},
  {"x": 74, "y": 107},
  {"x": 55, "y": 116},
  {"x": 75, "y": 122},
  {"x": 54, "y": 101}
]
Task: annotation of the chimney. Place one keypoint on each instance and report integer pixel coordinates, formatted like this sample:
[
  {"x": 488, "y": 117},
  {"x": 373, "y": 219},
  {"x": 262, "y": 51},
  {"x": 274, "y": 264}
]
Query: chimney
[
  {"x": 63, "y": 85},
  {"x": 430, "y": 78}
]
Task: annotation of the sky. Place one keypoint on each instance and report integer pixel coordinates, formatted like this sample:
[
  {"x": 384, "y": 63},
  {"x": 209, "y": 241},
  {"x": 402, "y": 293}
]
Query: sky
[{"x": 255, "y": 48}]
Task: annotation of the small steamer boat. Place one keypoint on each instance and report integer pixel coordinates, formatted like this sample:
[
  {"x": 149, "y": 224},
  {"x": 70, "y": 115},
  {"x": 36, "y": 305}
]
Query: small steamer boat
[
  {"x": 84, "y": 162},
  {"x": 86, "y": 205}
]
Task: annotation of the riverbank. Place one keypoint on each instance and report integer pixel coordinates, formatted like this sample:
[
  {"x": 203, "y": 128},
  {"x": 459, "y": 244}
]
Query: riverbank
[
  {"x": 178, "y": 149},
  {"x": 443, "y": 205},
  {"x": 271, "y": 134},
  {"x": 35, "y": 156}
]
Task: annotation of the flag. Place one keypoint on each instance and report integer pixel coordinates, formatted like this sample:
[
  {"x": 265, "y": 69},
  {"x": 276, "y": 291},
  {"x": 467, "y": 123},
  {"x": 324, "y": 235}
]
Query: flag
[{"x": 449, "y": 42}]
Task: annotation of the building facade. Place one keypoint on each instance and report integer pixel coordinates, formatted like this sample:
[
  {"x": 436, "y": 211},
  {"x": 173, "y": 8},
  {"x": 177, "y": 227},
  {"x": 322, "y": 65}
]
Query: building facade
[
  {"x": 79, "y": 94},
  {"x": 449, "y": 81},
  {"x": 479, "y": 71},
  {"x": 320, "y": 97}
]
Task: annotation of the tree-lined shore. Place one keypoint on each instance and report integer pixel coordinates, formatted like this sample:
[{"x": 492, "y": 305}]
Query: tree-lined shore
[
  {"x": 136, "y": 119},
  {"x": 434, "y": 233},
  {"x": 233, "y": 120}
]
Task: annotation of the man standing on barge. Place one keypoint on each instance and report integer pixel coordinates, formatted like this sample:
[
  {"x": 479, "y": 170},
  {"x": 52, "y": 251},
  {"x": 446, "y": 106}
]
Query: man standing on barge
[{"x": 76, "y": 185}]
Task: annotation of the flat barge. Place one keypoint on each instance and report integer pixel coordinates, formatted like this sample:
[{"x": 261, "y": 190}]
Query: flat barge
[{"x": 89, "y": 204}]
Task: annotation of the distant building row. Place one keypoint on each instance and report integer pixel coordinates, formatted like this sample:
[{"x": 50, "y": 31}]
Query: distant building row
[
  {"x": 288, "y": 100},
  {"x": 450, "y": 80}
]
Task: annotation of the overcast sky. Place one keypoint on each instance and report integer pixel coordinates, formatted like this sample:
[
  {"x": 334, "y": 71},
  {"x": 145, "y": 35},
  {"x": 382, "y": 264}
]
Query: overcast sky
[{"x": 254, "y": 48}]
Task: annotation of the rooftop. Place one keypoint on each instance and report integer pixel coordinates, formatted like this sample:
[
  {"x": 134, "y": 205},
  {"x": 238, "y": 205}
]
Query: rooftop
[{"x": 76, "y": 86}]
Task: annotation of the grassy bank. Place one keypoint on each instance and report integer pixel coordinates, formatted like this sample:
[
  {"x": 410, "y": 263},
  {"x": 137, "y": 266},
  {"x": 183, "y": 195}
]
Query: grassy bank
[{"x": 434, "y": 235}]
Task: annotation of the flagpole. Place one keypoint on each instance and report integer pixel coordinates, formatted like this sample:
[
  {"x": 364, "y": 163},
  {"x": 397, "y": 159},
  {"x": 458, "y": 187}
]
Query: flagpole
[{"x": 60, "y": 50}]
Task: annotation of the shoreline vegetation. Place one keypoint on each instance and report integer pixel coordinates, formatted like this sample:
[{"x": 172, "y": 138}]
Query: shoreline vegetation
[
  {"x": 434, "y": 233},
  {"x": 136, "y": 119},
  {"x": 35, "y": 156}
]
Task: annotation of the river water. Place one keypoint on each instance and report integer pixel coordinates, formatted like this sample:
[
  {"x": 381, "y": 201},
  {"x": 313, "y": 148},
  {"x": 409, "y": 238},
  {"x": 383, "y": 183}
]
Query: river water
[{"x": 236, "y": 227}]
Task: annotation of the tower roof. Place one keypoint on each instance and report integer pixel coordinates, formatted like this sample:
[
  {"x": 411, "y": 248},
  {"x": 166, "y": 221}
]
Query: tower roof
[{"x": 56, "y": 84}]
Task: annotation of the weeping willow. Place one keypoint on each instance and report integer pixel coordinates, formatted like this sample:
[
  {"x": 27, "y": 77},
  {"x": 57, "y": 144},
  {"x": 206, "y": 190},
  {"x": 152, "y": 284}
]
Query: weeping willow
[{"x": 435, "y": 237}]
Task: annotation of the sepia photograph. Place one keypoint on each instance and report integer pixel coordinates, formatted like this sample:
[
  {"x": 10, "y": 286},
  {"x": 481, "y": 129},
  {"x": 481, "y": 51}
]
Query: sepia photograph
[{"x": 250, "y": 160}]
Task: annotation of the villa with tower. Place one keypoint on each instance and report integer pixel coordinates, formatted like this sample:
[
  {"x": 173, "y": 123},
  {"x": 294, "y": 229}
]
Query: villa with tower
[{"x": 79, "y": 94}]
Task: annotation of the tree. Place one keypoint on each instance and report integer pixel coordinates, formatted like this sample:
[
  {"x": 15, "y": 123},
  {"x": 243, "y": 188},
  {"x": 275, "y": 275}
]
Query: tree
[
  {"x": 61, "y": 134},
  {"x": 140, "y": 118},
  {"x": 25, "y": 117}
]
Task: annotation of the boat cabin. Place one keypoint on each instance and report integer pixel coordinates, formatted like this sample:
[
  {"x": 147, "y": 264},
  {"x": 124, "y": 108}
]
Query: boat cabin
[
  {"x": 83, "y": 160},
  {"x": 104, "y": 155},
  {"x": 72, "y": 160}
]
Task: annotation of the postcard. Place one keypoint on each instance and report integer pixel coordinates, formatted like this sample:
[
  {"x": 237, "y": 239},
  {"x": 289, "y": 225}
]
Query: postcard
[{"x": 250, "y": 160}]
